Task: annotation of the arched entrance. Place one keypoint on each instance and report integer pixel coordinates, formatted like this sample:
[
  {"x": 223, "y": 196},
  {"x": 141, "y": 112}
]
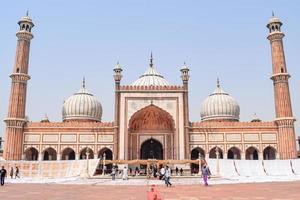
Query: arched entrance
[
  {"x": 269, "y": 153},
  {"x": 151, "y": 149},
  {"x": 108, "y": 153},
  {"x": 68, "y": 154},
  {"x": 194, "y": 156},
  {"x": 251, "y": 154},
  {"x": 31, "y": 154},
  {"x": 213, "y": 153},
  {"x": 195, "y": 153},
  {"x": 234, "y": 153},
  {"x": 49, "y": 154},
  {"x": 151, "y": 134},
  {"x": 83, "y": 154}
]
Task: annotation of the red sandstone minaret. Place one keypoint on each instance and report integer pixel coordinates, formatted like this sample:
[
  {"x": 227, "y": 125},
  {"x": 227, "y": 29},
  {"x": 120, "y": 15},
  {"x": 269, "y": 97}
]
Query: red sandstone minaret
[
  {"x": 185, "y": 81},
  {"x": 117, "y": 76},
  {"x": 17, "y": 102},
  {"x": 283, "y": 107}
]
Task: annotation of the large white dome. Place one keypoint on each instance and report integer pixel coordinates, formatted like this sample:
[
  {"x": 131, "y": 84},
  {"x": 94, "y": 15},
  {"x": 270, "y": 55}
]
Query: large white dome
[
  {"x": 151, "y": 77},
  {"x": 220, "y": 106},
  {"x": 82, "y": 106}
]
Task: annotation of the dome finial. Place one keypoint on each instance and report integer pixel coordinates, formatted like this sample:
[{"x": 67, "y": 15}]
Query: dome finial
[
  {"x": 27, "y": 13},
  {"x": 151, "y": 60},
  {"x": 83, "y": 82},
  {"x": 273, "y": 15},
  {"x": 218, "y": 83}
]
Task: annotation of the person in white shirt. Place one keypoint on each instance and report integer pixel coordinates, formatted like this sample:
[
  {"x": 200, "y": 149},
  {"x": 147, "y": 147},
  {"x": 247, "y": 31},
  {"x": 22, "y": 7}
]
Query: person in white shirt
[
  {"x": 162, "y": 173},
  {"x": 168, "y": 176},
  {"x": 125, "y": 173}
]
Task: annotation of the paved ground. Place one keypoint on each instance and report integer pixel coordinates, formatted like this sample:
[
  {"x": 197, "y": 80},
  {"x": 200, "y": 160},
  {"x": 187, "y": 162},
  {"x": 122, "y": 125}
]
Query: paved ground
[{"x": 258, "y": 191}]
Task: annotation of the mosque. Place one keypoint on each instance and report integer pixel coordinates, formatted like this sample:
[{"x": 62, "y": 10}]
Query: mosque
[{"x": 151, "y": 118}]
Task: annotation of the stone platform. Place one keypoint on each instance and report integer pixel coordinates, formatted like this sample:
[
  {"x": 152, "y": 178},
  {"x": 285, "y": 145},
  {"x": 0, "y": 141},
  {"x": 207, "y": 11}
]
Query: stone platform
[{"x": 258, "y": 191}]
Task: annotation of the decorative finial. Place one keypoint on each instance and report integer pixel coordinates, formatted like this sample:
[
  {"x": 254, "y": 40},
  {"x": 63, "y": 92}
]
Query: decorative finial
[
  {"x": 83, "y": 82},
  {"x": 218, "y": 82},
  {"x": 27, "y": 13},
  {"x": 151, "y": 60},
  {"x": 273, "y": 15}
]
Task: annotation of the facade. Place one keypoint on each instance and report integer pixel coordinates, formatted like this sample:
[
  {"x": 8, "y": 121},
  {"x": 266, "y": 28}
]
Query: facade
[{"x": 151, "y": 118}]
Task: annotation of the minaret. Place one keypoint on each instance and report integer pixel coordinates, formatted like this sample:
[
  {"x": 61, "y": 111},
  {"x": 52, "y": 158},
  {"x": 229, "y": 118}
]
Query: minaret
[
  {"x": 283, "y": 107},
  {"x": 185, "y": 80},
  {"x": 117, "y": 76},
  {"x": 17, "y": 102}
]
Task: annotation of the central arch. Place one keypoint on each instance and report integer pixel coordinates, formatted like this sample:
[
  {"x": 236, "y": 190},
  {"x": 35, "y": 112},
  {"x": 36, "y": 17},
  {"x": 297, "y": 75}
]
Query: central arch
[
  {"x": 151, "y": 149},
  {"x": 151, "y": 125}
]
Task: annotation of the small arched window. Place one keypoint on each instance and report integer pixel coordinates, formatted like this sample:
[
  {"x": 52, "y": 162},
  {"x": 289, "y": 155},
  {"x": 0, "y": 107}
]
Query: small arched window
[
  {"x": 282, "y": 70},
  {"x": 27, "y": 27},
  {"x": 18, "y": 70},
  {"x": 23, "y": 26},
  {"x": 273, "y": 28}
]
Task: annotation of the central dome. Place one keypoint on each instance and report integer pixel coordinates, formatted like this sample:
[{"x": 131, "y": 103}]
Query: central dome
[
  {"x": 151, "y": 77},
  {"x": 220, "y": 106},
  {"x": 82, "y": 106}
]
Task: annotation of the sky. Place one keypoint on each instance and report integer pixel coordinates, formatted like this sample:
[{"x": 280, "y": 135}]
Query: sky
[{"x": 75, "y": 39}]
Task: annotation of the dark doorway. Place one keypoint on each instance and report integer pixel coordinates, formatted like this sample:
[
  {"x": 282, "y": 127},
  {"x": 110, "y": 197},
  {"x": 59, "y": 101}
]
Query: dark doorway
[
  {"x": 152, "y": 149},
  {"x": 251, "y": 154}
]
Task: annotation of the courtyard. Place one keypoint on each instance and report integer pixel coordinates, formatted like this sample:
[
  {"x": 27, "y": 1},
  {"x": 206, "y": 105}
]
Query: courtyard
[{"x": 258, "y": 191}]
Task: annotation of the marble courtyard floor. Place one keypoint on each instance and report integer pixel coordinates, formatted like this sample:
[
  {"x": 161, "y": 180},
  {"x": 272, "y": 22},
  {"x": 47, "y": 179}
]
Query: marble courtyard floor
[{"x": 257, "y": 191}]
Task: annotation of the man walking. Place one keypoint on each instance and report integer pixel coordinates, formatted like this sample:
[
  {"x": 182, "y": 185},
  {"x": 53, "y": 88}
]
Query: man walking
[
  {"x": 113, "y": 173},
  {"x": 17, "y": 172},
  {"x": 168, "y": 176},
  {"x": 2, "y": 175}
]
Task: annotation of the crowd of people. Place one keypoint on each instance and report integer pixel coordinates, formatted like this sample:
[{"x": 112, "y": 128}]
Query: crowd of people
[{"x": 164, "y": 173}]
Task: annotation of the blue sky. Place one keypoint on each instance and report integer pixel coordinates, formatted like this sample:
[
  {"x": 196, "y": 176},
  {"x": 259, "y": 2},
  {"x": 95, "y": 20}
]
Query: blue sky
[{"x": 225, "y": 39}]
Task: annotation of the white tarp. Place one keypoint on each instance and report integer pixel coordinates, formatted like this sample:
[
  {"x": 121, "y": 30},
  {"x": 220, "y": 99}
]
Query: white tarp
[
  {"x": 249, "y": 168},
  {"x": 278, "y": 167},
  {"x": 212, "y": 164},
  {"x": 296, "y": 166},
  {"x": 226, "y": 167}
]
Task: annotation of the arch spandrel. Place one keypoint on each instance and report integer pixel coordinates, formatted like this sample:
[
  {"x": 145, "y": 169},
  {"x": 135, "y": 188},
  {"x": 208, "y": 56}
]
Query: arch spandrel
[
  {"x": 151, "y": 119},
  {"x": 168, "y": 105}
]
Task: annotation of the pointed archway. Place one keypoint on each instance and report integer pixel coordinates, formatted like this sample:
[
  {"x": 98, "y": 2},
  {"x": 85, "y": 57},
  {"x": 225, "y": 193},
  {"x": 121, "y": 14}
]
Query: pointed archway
[
  {"x": 151, "y": 149},
  {"x": 151, "y": 125}
]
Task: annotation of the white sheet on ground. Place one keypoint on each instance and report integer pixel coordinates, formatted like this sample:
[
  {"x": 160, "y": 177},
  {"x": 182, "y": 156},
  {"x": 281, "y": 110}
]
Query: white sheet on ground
[
  {"x": 278, "y": 167},
  {"x": 296, "y": 166},
  {"x": 250, "y": 168},
  {"x": 226, "y": 167}
]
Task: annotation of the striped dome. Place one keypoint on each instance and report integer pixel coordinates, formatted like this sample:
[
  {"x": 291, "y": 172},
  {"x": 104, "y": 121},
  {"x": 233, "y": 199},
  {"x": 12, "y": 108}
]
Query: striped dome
[
  {"x": 220, "y": 106},
  {"x": 82, "y": 106},
  {"x": 151, "y": 77}
]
